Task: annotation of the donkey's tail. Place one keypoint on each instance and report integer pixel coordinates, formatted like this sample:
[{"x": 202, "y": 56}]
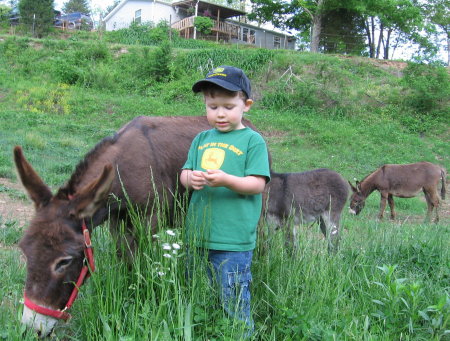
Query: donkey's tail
[{"x": 443, "y": 180}]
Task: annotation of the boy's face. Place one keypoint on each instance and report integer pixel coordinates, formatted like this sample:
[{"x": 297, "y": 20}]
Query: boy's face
[{"x": 225, "y": 113}]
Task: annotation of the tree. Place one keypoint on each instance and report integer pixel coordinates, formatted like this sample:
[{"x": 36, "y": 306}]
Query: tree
[
  {"x": 387, "y": 18},
  {"x": 343, "y": 32},
  {"x": 383, "y": 19},
  {"x": 72, "y": 6},
  {"x": 111, "y": 7},
  {"x": 37, "y": 15},
  {"x": 295, "y": 14},
  {"x": 438, "y": 13}
]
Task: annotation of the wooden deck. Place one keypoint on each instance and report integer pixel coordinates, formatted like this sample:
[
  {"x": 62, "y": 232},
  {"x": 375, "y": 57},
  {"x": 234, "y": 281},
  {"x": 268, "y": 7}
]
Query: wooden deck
[{"x": 221, "y": 29}]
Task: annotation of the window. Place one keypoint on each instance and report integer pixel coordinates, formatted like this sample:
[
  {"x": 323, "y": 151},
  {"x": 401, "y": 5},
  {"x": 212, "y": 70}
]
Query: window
[
  {"x": 276, "y": 42},
  {"x": 248, "y": 35},
  {"x": 137, "y": 16}
]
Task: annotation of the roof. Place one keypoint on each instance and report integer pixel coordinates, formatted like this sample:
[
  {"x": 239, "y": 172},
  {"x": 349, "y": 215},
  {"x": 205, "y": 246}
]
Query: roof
[{"x": 225, "y": 12}]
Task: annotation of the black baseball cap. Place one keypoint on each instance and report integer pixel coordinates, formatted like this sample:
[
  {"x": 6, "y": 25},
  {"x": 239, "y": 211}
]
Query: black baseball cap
[{"x": 227, "y": 77}]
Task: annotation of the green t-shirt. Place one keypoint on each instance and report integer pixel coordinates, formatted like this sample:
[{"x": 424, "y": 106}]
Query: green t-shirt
[{"x": 219, "y": 218}]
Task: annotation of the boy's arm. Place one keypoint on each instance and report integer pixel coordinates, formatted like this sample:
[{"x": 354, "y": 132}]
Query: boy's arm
[{"x": 247, "y": 185}]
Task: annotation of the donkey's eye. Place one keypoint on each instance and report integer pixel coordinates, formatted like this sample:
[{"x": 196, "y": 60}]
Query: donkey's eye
[{"x": 62, "y": 263}]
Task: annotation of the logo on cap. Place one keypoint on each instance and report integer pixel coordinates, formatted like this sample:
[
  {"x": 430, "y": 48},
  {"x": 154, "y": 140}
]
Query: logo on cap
[{"x": 218, "y": 71}]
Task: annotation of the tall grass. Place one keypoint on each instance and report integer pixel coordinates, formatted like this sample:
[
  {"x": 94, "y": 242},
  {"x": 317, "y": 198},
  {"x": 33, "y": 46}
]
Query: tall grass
[{"x": 387, "y": 281}]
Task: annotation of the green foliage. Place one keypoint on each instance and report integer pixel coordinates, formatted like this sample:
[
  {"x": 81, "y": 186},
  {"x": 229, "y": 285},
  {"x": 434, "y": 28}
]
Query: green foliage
[
  {"x": 428, "y": 86},
  {"x": 4, "y": 15},
  {"x": 204, "y": 24},
  {"x": 134, "y": 34},
  {"x": 143, "y": 34},
  {"x": 398, "y": 306},
  {"x": 160, "y": 68},
  {"x": 81, "y": 6},
  {"x": 9, "y": 232},
  {"x": 204, "y": 60},
  {"x": 37, "y": 15},
  {"x": 148, "y": 34},
  {"x": 44, "y": 99}
]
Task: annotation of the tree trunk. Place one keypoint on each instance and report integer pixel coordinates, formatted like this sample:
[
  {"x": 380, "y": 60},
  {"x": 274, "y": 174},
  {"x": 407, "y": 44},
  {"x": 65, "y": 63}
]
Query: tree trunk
[
  {"x": 369, "y": 39},
  {"x": 315, "y": 34},
  {"x": 386, "y": 46},
  {"x": 448, "y": 51},
  {"x": 316, "y": 27},
  {"x": 380, "y": 38}
]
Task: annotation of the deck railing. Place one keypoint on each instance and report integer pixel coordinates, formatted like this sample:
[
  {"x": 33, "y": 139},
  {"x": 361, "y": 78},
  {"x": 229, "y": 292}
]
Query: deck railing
[{"x": 220, "y": 26}]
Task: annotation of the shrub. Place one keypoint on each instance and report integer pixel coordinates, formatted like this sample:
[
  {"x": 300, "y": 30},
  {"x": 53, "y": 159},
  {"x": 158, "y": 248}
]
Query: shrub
[
  {"x": 203, "y": 24},
  {"x": 428, "y": 85},
  {"x": 160, "y": 66}
]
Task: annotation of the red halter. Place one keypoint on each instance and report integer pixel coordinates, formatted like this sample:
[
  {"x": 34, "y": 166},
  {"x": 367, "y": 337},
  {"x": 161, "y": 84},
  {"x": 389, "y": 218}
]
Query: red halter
[{"x": 89, "y": 256}]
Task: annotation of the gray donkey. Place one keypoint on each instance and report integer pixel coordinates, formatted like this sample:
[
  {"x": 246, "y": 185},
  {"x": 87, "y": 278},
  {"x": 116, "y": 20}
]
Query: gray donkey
[{"x": 316, "y": 195}]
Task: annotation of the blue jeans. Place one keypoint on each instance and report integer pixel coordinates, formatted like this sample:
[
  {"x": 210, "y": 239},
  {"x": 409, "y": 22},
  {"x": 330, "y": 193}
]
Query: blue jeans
[{"x": 230, "y": 272}]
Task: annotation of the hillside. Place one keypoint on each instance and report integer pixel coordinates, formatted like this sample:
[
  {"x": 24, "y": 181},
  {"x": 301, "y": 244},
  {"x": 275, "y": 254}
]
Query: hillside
[{"x": 315, "y": 103}]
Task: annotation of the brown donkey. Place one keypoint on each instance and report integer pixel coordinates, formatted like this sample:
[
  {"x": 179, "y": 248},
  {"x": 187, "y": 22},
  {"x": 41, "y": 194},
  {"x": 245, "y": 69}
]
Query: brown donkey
[
  {"x": 403, "y": 181},
  {"x": 143, "y": 159}
]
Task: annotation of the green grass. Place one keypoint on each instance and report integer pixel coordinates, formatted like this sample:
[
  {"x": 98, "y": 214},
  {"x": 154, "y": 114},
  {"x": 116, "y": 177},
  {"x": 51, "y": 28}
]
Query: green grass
[{"x": 388, "y": 281}]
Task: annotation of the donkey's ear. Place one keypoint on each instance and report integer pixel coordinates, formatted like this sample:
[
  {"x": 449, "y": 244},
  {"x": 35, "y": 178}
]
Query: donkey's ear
[
  {"x": 87, "y": 201},
  {"x": 352, "y": 187},
  {"x": 37, "y": 190}
]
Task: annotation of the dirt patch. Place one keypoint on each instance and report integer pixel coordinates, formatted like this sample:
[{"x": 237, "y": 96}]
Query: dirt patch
[{"x": 13, "y": 208}]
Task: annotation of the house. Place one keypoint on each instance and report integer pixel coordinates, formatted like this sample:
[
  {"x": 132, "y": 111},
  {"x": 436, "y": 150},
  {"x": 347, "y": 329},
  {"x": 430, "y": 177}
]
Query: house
[{"x": 230, "y": 24}]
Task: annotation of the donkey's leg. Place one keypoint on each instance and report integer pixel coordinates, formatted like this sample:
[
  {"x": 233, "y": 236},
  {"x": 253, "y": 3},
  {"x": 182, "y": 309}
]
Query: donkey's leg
[
  {"x": 384, "y": 196},
  {"x": 432, "y": 199},
  {"x": 330, "y": 229},
  {"x": 391, "y": 206},
  {"x": 125, "y": 241}
]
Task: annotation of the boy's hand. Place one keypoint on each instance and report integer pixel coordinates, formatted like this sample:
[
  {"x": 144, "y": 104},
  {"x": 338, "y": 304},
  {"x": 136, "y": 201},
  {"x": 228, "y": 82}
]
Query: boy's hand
[
  {"x": 251, "y": 184},
  {"x": 197, "y": 180},
  {"x": 215, "y": 177}
]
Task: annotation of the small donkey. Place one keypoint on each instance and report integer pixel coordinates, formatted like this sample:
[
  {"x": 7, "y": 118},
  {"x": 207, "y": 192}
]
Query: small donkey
[{"x": 316, "y": 195}]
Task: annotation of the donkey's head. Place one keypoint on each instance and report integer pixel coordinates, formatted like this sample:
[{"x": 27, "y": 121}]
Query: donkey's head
[
  {"x": 53, "y": 244},
  {"x": 357, "y": 200}
]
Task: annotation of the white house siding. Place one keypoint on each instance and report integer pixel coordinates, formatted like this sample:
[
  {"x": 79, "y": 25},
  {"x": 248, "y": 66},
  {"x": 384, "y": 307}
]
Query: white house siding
[
  {"x": 266, "y": 39},
  {"x": 151, "y": 11}
]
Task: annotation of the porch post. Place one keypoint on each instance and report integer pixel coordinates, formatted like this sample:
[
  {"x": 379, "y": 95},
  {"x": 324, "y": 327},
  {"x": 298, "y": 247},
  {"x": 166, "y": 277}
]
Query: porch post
[
  {"x": 195, "y": 16},
  {"x": 218, "y": 25}
]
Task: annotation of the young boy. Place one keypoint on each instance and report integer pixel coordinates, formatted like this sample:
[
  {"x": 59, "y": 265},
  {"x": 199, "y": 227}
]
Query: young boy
[{"x": 227, "y": 167}]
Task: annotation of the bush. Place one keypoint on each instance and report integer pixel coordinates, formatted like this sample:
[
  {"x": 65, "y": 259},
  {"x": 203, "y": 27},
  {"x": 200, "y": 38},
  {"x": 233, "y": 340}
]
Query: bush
[
  {"x": 203, "y": 24},
  {"x": 428, "y": 85}
]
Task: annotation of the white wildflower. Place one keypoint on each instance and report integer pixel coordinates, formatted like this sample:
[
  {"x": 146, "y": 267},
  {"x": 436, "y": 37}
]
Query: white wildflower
[
  {"x": 155, "y": 236},
  {"x": 170, "y": 233},
  {"x": 176, "y": 246},
  {"x": 160, "y": 273},
  {"x": 167, "y": 255},
  {"x": 166, "y": 246}
]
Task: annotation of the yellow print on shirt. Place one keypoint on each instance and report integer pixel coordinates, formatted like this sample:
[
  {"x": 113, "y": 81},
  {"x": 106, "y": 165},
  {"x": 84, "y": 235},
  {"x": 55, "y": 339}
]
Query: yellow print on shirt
[
  {"x": 234, "y": 149},
  {"x": 213, "y": 158}
]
